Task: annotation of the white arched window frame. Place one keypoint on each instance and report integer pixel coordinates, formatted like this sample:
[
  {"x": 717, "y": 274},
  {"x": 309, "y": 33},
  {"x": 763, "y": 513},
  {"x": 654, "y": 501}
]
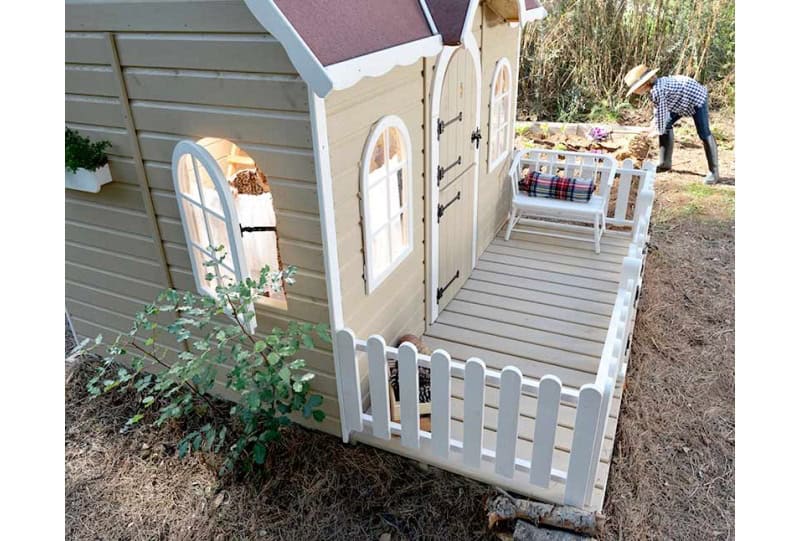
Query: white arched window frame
[
  {"x": 386, "y": 199},
  {"x": 500, "y": 124},
  {"x": 209, "y": 217}
]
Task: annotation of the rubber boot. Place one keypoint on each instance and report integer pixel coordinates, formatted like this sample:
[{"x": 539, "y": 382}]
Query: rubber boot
[
  {"x": 710, "y": 146},
  {"x": 666, "y": 143}
]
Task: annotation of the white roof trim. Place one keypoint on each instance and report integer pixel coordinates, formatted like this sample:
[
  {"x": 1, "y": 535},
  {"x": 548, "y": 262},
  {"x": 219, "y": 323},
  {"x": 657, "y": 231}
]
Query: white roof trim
[
  {"x": 533, "y": 15},
  {"x": 303, "y": 59},
  {"x": 424, "y": 5},
  {"x": 348, "y": 72},
  {"x": 323, "y": 79},
  {"x": 469, "y": 16}
]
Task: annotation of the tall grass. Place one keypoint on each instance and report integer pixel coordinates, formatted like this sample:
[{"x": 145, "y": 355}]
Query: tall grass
[{"x": 572, "y": 62}]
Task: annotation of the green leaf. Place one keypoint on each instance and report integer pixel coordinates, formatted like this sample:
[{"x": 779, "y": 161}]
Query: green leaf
[
  {"x": 147, "y": 400},
  {"x": 260, "y": 346},
  {"x": 183, "y": 448},
  {"x": 319, "y": 415},
  {"x": 135, "y": 419},
  {"x": 273, "y": 358},
  {"x": 259, "y": 453}
]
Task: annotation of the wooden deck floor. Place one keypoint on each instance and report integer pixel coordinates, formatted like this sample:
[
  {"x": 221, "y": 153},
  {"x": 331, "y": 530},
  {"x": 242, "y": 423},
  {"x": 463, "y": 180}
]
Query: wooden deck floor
[{"x": 544, "y": 305}]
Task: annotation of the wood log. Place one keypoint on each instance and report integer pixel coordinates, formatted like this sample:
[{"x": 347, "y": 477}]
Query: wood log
[
  {"x": 524, "y": 531},
  {"x": 504, "y": 507}
]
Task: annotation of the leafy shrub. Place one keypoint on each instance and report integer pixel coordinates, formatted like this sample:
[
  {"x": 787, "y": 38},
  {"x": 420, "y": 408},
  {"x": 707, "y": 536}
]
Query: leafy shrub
[
  {"x": 80, "y": 152},
  {"x": 263, "y": 371}
]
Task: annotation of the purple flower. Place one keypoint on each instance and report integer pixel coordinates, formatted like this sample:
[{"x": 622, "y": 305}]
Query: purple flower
[{"x": 598, "y": 134}]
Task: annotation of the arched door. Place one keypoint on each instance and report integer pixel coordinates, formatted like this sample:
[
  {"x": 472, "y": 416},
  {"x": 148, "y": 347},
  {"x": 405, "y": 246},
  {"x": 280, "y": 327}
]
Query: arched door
[{"x": 455, "y": 175}]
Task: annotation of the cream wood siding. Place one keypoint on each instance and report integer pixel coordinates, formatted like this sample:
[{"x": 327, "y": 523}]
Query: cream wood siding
[
  {"x": 396, "y": 307},
  {"x": 191, "y": 70},
  {"x": 497, "y": 40}
]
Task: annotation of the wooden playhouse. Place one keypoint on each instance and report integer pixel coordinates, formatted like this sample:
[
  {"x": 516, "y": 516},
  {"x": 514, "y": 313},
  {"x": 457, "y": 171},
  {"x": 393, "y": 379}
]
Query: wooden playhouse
[{"x": 376, "y": 137}]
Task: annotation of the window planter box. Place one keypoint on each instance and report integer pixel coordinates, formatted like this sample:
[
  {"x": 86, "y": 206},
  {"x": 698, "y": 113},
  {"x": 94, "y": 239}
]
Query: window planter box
[{"x": 87, "y": 181}]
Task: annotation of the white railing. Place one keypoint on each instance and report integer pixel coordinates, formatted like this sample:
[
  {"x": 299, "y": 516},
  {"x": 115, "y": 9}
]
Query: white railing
[{"x": 467, "y": 450}]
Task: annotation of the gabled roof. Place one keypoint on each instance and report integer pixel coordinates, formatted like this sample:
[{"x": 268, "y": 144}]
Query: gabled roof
[{"x": 334, "y": 43}]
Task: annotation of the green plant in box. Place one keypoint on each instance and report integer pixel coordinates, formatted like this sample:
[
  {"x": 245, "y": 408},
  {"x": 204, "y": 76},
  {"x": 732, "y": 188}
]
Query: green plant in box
[
  {"x": 262, "y": 370},
  {"x": 81, "y": 152}
]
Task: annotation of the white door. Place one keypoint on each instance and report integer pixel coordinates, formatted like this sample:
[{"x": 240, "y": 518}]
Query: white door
[{"x": 455, "y": 176}]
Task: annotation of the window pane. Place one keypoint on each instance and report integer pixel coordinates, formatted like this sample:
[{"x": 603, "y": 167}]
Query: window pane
[
  {"x": 380, "y": 251},
  {"x": 186, "y": 178},
  {"x": 378, "y": 213},
  {"x": 378, "y": 154},
  {"x": 397, "y": 153},
  {"x": 399, "y": 237},
  {"x": 396, "y": 189},
  {"x": 201, "y": 258},
  {"x": 195, "y": 223},
  {"x": 219, "y": 237}
]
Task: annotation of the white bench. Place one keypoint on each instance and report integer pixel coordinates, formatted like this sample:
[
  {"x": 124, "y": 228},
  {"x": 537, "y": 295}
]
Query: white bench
[{"x": 528, "y": 210}]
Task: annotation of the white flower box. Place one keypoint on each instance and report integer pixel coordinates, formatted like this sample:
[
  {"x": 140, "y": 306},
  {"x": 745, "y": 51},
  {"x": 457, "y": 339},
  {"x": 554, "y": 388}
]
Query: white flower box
[{"x": 87, "y": 181}]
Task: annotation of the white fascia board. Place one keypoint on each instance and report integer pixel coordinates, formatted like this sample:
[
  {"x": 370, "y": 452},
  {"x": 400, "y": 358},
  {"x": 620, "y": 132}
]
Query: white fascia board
[
  {"x": 426, "y": 10},
  {"x": 534, "y": 15},
  {"x": 303, "y": 59},
  {"x": 347, "y": 73}
]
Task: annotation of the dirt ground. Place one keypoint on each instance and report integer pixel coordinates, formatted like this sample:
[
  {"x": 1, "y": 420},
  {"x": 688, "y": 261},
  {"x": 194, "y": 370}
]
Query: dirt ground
[{"x": 672, "y": 474}]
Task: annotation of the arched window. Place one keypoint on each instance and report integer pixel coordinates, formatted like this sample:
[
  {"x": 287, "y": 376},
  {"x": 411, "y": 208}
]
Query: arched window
[
  {"x": 386, "y": 199},
  {"x": 500, "y": 114},
  {"x": 225, "y": 200}
]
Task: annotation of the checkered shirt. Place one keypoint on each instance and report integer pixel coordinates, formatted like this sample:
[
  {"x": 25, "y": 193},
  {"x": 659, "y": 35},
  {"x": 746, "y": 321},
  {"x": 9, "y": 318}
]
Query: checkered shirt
[{"x": 676, "y": 94}]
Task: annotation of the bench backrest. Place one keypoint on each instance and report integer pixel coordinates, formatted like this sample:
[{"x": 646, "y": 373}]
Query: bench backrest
[{"x": 586, "y": 165}]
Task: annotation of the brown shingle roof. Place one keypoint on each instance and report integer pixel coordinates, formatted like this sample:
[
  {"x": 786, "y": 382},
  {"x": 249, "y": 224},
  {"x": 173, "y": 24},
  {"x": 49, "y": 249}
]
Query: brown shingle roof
[
  {"x": 339, "y": 30},
  {"x": 449, "y": 17}
]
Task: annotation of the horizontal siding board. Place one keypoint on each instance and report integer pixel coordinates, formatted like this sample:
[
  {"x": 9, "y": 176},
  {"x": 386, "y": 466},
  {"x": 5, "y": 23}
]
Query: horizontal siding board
[
  {"x": 86, "y": 48},
  {"x": 305, "y": 255},
  {"x": 122, "y": 171},
  {"x": 93, "y": 110},
  {"x": 113, "y": 241},
  {"x": 230, "y": 52},
  {"x": 134, "y": 267},
  {"x": 113, "y": 218},
  {"x": 171, "y": 16},
  {"x": 279, "y": 92},
  {"x": 115, "y": 194},
  {"x": 119, "y": 138},
  {"x": 111, "y": 282},
  {"x": 294, "y": 196},
  {"x": 282, "y": 162},
  {"x": 90, "y": 80},
  {"x": 255, "y": 126}
]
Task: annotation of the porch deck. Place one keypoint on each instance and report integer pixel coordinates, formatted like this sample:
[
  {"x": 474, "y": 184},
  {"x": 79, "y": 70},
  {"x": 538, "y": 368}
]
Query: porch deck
[
  {"x": 530, "y": 357},
  {"x": 543, "y": 305}
]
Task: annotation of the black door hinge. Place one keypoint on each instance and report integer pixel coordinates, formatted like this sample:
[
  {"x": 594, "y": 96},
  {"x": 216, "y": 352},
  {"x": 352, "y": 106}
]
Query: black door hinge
[
  {"x": 441, "y": 124},
  {"x": 441, "y": 171},
  {"x": 476, "y": 137},
  {"x": 443, "y": 208},
  {"x": 255, "y": 229},
  {"x": 440, "y": 291}
]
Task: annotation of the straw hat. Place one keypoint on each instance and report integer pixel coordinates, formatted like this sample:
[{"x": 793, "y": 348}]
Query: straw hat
[{"x": 637, "y": 77}]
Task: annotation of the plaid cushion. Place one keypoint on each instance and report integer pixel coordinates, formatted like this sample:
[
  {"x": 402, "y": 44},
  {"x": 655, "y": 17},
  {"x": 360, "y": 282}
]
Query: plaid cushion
[{"x": 538, "y": 184}]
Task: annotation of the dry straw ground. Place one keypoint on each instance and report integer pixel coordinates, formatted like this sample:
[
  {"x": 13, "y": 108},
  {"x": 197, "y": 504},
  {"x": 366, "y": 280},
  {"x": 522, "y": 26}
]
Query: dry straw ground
[{"x": 672, "y": 471}]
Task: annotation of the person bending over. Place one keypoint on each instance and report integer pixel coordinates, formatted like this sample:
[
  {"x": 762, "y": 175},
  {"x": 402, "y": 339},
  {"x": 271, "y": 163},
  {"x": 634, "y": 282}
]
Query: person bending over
[{"x": 674, "y": 97}]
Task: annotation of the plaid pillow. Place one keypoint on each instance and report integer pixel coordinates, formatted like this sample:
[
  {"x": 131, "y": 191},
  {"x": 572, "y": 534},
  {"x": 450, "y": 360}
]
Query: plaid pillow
[{"x": 538, "y": 184}]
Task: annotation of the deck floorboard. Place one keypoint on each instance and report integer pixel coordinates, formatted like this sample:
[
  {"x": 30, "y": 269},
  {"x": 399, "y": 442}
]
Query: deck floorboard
[{"x": 544, "y": 305}]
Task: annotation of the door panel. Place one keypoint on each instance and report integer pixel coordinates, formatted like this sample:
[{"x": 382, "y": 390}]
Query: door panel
[
  {"x": 455, "y": 236},
  {"x": 456, "y": 176},
  {"x": 457, "y": 117}
]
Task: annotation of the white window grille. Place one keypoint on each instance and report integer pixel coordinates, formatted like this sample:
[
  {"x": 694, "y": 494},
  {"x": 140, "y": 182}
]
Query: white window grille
[
  {"x": 386, "y": 199},
  {"x": 500, "y": 123}
]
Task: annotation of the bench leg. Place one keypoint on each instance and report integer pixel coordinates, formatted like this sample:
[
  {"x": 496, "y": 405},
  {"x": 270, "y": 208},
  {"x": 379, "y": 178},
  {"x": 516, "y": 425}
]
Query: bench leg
[
  {"x": 511, "y": 220},
  {"x": 597, "y": 233}
]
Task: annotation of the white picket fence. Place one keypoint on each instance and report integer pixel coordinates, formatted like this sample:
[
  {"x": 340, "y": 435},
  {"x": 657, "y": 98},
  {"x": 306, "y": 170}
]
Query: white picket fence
[{"x": 468, "y": 452}]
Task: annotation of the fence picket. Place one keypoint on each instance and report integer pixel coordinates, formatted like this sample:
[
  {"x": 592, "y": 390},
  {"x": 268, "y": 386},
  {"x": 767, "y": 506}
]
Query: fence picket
[
  {"x": 473, "y": 411},
  {"x": 409, "y": 395},
  {"x": 351, "y": 382},
  {"x": 624, "y": 190},
  {"x": 544, "y": 433},
  {"x": 440, "y": 403},
  {"x": 581, "y": 455},
  {"x": 508, "y": 420},
  {"x": 379, "y": 386}
]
